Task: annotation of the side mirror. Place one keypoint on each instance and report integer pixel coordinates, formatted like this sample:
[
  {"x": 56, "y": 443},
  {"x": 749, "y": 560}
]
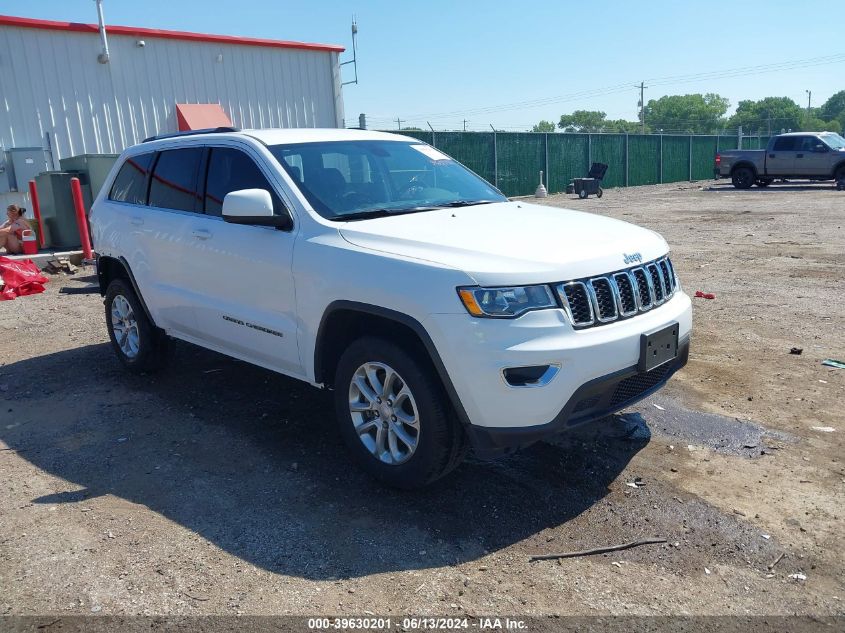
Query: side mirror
[{"x": 255, "y": 207}]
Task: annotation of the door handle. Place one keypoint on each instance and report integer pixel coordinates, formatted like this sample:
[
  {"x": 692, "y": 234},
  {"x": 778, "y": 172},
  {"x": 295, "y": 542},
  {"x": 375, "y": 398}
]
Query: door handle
[
  {"x": 136, "y": 220},
  {"x": 201, "y": 234},
  {"x": 799, "y": 156}
]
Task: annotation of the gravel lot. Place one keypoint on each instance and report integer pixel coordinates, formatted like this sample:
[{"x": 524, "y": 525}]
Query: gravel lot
[{"x": 219, "y": 488}]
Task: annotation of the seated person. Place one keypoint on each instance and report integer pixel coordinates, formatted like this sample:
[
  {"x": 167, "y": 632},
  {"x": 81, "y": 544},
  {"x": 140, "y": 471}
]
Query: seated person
[{"x": 11, "y": 231}]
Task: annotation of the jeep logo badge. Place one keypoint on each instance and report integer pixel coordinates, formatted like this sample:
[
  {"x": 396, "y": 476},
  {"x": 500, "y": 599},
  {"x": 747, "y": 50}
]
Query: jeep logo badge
[{"x": 633, "y": 257}]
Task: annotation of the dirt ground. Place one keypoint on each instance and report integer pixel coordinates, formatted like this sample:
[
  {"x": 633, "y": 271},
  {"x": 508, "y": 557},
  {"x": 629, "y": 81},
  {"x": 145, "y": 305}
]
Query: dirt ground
[{"x": 219, "y": 488}]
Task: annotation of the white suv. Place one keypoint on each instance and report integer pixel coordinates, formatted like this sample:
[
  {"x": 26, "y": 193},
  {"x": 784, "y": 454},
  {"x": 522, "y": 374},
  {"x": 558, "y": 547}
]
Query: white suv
[{"x": 442, "y": 314}]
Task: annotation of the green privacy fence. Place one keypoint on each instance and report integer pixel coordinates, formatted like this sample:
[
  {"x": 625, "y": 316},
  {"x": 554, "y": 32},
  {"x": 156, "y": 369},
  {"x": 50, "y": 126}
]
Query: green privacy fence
[{"x": 513, "y": 160}]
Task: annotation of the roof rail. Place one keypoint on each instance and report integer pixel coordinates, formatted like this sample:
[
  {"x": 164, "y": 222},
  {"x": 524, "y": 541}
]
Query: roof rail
[{"x": 206, "y": 130}]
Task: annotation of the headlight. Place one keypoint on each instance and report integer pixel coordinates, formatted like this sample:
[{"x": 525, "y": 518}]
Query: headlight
[{"x": 506, "y": 302}]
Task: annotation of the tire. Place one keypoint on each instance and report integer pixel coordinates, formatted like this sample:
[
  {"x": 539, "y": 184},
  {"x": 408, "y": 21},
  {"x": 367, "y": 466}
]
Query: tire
[
  {"x": 743, "y": 177},
  {"x": 439, "y": 442},
  {"x": 839, "y": 174},
  {"x": 138, "y": 343},
  {"x": 599, "y": 193},
  {"x": 582, "y": 194},
  {"x": 764, "y": 182}
]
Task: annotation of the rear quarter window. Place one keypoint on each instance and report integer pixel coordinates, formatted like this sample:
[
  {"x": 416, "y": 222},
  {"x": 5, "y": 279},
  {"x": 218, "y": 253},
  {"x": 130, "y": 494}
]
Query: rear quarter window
[{"x": 130, "y": 184}]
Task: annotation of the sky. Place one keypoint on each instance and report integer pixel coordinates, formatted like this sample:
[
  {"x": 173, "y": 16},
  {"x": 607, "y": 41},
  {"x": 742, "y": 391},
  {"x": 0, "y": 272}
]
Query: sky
[{"x": 511, "y": 64}]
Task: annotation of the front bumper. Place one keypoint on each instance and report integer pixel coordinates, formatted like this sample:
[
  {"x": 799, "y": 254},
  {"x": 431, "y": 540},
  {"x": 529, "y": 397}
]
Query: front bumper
[
  {"x": 593, "y": 400},
  {"x": 594, "y": 363}
]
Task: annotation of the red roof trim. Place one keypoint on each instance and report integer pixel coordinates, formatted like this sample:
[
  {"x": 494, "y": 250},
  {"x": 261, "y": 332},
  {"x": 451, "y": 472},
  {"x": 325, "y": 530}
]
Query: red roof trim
[{"x": 79, "y": 27}]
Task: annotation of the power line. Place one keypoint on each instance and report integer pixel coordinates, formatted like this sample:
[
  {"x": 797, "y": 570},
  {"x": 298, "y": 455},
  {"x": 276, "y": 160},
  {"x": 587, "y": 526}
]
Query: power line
[{"x": 659, "y": 81}]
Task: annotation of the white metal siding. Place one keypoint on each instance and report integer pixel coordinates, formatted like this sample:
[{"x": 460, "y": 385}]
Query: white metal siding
[{"x": 51, "y": 82}]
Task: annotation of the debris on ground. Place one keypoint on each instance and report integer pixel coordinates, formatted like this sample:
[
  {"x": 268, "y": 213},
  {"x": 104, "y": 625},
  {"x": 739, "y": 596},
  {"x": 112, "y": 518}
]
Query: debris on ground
[
  {"x": 658, "y": 407},
  {"x": 798, "y": 576},
  {"x": 830, "y": 362},
  {"x": 60, "y": 265},
  {"x": 704, "y": 295},
  {"x": 597, "y": 550},
  {"x": 777, "y": 560},
  {"x": 637, "y": 483},
  {"x": 797, "y": 351},
  {"x": 823, "y": 429}
]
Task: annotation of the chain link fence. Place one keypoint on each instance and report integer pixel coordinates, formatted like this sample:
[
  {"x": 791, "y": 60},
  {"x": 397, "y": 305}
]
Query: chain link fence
[{"x": 513, "y": 160}]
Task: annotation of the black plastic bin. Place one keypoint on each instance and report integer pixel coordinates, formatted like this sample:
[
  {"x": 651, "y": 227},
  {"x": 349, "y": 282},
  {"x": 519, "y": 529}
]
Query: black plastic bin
[{"x": 591, "y": 185}]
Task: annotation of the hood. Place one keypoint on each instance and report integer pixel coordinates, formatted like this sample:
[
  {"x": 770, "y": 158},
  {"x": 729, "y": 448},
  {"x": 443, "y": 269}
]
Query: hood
[{"x": 510, "y": 242}]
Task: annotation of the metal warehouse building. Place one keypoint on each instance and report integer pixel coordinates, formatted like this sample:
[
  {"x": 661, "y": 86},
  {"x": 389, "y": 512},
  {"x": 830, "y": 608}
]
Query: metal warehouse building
[{"x": 70, "y": 89}]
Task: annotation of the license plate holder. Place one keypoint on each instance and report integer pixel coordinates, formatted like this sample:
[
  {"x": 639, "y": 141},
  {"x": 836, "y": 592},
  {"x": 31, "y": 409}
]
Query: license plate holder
[{"x": 658, "y": 347}]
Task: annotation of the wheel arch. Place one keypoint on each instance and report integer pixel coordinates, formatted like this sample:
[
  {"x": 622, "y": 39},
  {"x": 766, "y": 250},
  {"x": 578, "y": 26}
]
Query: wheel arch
[
  {"x": 344, "y": 321},
  {"x": 745, "y": 163},
  {"x": 111, "y": 268},
  {"x": 837, "y": 167}
]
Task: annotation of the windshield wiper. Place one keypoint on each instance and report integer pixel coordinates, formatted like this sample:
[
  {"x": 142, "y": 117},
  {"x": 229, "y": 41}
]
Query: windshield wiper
[
  {"x": 466, "y": 203},
  {"x": 381, "y": 213}
]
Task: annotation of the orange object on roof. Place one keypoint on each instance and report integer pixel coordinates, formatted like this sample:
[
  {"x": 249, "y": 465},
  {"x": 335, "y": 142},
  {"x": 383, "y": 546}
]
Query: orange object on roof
[{"x": 198, "y": 116}]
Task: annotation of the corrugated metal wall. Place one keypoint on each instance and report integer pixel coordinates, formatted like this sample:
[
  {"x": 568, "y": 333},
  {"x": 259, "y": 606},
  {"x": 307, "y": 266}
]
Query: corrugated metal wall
[{"x": 50, "y": 81}]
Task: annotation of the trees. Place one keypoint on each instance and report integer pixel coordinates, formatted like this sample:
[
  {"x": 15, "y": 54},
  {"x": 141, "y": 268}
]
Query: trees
[
  {"x": 833, "y": 111},
  {"x": 695, "y": 113},
  {"x": 583, "y": 121},
  {"x": 546, "y": 127},
  {"x": 770, "y": 114}
]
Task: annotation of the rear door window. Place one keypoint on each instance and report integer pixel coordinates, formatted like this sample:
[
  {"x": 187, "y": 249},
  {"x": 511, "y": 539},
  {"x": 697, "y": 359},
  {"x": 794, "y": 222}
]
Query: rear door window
[
  {"x": 130, "y": 184},
  {"x": 175, "y": 180},
  {"x": 786, "y": 144},
  {"x": 232, "y": 170}
]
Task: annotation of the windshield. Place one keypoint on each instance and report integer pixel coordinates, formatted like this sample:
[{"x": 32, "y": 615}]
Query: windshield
[
  {"x": 834, "y": 141},
  {"x": 346, "y": 180}
]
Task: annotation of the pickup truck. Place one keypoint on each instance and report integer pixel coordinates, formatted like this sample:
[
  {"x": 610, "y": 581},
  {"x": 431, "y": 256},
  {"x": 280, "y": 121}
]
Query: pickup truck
[{"x": 802, "y": 155}]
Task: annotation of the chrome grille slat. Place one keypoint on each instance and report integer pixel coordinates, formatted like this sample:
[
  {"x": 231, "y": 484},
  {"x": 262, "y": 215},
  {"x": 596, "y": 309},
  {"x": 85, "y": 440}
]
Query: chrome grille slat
[{"x": 618, "y": 295}]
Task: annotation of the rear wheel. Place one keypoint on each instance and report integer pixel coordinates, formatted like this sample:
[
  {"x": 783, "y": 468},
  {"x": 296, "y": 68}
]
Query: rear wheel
[
  {"x": 839, "y": 174},
  {"x": 742, "y": 177},
  {"x": 138, "y": 343},
  {"x": 582, "y": 194},
  {"x": 599, "y": 193},
  {"x": 393, "y": 415}
]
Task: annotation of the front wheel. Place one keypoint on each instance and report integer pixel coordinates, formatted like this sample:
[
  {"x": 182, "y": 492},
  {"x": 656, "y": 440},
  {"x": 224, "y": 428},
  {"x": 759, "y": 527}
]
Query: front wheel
[
  {"x": 582, "y": 194},
  {"x": 839, "y": 174},
  {"x": 393, "y": 415},
  {"x": 138, "y": 343},
  {"x": 599, "y": 193},
  {"x": 742, "y": 177}
]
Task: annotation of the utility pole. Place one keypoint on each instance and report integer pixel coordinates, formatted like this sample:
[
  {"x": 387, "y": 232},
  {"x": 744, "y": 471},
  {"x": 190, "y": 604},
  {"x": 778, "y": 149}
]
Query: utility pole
[
  {"x": 642, "y": 88},
  {"x": 465, "y": 125},
  {"x": 398, "y": 123},
  {"x": 809, "y": 101}
]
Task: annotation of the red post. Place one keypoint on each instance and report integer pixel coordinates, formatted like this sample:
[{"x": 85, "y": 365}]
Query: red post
[
  {"x": 81, "y": 220},
  {"x": 36, "y": 209}
]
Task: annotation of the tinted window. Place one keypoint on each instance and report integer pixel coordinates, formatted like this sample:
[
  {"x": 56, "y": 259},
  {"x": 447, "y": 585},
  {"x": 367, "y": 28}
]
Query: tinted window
[
  {"x": 130, "y": 185},
  {"x": 232, "y": 170},
  {"x": 174, "y": 182},
  {"x": 808, "y": 143},
  {"x": 786, "y": 144}
]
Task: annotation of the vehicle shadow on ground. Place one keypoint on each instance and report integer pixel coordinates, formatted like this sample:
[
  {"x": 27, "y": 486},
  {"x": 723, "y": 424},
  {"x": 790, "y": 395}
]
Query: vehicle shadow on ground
[
  {"x": 250, "y": 461},
  {"x": 773, "y": 188}
]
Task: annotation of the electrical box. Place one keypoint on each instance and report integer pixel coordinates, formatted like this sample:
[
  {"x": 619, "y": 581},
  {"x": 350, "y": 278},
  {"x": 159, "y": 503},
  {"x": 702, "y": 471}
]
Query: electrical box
[
  {"x": 57, "y": 210},
  {"x": 26, "y": 164},
  {"x": 6, "y": 176},
  {"x": 95, "y": 166}
]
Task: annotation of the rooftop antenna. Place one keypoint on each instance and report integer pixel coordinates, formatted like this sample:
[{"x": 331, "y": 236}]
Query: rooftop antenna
[{"x": 354, "y": 60}]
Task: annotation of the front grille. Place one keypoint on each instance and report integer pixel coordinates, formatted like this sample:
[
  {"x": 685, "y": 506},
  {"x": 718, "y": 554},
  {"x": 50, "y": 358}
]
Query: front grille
[
  {"x": 656, "y": 282},
  {"x": 635, "y": 386},
  {"x": 578, "y": 300},
  {"x": 626, "y": 293},
  {"x": 618, "y": 295},
  {"x": 605, "y": 300},
  {"x": 643, "y": 288}
]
